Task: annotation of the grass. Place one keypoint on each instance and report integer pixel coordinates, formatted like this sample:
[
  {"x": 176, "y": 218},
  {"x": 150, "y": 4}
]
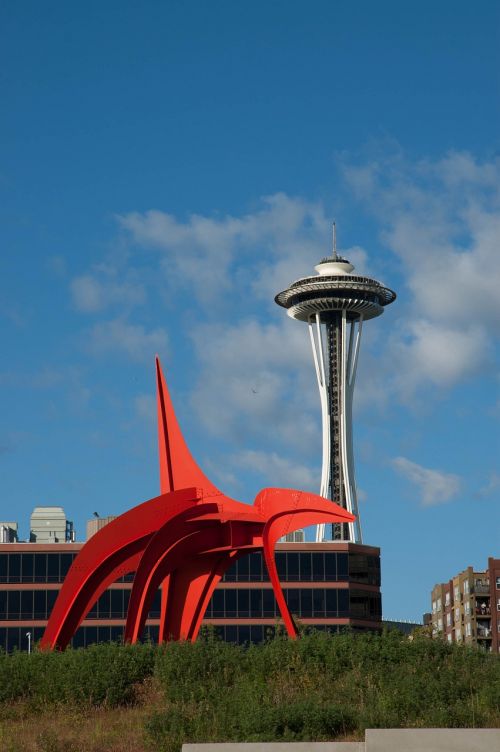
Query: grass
[{"x": 318, "y": 688}]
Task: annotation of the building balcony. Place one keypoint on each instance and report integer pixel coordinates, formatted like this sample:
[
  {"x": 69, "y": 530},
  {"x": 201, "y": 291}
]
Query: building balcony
[
  {"x": 482, "y": 588},
  {"x": 486, "y": 611}
]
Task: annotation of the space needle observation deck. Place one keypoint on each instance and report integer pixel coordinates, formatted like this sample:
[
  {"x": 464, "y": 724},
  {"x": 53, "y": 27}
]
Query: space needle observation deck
[{"x": 335, "y": 303}]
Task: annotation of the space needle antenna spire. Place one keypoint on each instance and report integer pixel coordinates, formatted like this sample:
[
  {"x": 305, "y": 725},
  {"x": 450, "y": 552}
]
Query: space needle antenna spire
[{"x": 335, "y": 303}]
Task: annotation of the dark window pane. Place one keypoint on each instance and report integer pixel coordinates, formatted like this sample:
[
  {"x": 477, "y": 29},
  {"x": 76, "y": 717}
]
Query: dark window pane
[
  {"x": 3, "y": 638},
  {"x": 3, "y": 605},
  {"x": 343, "y": 600},
  {"x": 117, "y": 634},
  {"x": 231, "y": 634},
  {"x": 90, "y": 636},
  {"x": 331, "y": 602},
  {"x": 306, "y": 602},
  {"x": 51, "y": 599},
  {"x": 103, "y": 634},
  {"x": 243, "y": 634},
  {"x": 126, "y": 598},
  {"x": 26, "y": 604},
  {"x": 92, "y": 614},
  {"x": 40, "y": 604},
  {"x": 66, "y": 562},
  {"x": 256, "y": 603},
  {"x": 4, "y": 560},
  {"x": 318, "y": 567},
  {"x": 14, "y": 604},
  {"x": 103, "y": 605},
  {"x": 230, "y": 598},
  {"x": 78, "y": 640},
  {"x": 243, "y": 569},
  {"x": 256, "y": 633},
  {"x": 305, "y": 567},
  {"x": 27, "y": 567},
  {"x": 280, "y": 559},
  {"x": 117, "y": 604},
  {"x": 293, "y": 567},
  {"x": 268, "y": 603},
  {"x": 40, "y": 567},
  {"x": 342, "y": 567},
  {"x": 330, "y": 567},
  {"x": 14, "y": 638},
  {"x": 232, "y": 573},
  {"x": 318, "y": 602},
  {"x": 218, "y": 604},
  {"x": 255, "y": 567},
  {"x": 292, "y": 598},
  {"x": 358, "y": 568},
  {"x": 53, "y": 567},
  {"x": 243, "y": 603},
  {"x": 14, "y": 567},
  {"x": 38, "y": 633}
]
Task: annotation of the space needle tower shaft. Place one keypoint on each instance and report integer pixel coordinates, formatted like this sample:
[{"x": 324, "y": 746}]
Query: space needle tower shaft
[{"x": 334, "y": 304}]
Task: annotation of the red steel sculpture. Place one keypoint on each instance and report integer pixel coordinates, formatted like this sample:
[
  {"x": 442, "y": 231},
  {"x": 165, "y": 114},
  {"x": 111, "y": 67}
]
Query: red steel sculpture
[{"x": 182, "y": 541}]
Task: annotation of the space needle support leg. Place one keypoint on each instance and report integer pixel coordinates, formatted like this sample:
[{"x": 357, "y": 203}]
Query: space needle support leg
[
  {"x": 319, "y": 364},
  {"x": 352, "y": 364}
]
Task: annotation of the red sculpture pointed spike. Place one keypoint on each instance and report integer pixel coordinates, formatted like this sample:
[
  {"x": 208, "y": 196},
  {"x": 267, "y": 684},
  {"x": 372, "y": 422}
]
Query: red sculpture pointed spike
[{"x": 178, "y": 469}]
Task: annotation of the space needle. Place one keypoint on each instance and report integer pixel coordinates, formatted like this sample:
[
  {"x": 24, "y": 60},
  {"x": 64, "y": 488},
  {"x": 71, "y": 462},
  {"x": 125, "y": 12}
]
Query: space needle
[{"x": 335, "y": 303}]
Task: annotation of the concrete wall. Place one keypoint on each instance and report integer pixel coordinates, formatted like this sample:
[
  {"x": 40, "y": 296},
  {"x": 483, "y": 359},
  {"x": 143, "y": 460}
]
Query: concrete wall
[{"x": 378, "y": 740}]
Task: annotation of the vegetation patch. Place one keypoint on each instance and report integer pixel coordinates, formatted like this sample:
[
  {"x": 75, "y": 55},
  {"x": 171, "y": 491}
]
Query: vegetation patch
[{"x": 321, "y": 687}]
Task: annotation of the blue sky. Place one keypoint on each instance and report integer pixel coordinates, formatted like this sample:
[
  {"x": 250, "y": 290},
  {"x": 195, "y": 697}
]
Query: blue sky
[{"x": 166, "y": 168}]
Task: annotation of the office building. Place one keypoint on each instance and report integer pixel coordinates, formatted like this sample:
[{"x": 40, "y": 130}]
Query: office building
[{"x": 328, "y": 586}]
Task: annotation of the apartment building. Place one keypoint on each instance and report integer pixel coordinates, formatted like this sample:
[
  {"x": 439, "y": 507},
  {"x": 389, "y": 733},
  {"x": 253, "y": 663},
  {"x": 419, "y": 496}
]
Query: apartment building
[{"x": 466, "y": 609}]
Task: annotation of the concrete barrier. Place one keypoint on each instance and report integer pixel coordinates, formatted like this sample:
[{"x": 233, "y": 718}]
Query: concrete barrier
[
  {"x": 377, "y": 740},
  {"x": 432, "y": 740}
]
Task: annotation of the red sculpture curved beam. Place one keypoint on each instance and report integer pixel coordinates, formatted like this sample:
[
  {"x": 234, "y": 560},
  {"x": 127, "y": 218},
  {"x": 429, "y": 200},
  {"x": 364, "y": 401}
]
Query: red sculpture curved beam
[{"x": 284, "y": 517}]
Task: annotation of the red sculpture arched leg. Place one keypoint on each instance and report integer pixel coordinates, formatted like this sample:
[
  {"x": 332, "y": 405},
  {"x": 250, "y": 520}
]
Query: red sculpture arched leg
[
  {"x": 103, "y": 559},
  {"x": 63, "y": 625},
  {"x": 183, "y": 552},
  {"x": 220, "y": 564},
  {"x": 286, "y": 511}
]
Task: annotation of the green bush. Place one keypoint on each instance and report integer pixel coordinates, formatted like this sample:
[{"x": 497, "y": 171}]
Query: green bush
[{"x": 98, "y": 675}]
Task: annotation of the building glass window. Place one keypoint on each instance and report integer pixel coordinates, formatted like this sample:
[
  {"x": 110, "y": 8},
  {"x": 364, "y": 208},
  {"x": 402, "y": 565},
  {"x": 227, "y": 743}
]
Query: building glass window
[
  {"x": 52, "y": 567},
  {"x": 330, "y": 560},
  {"x": 27, "y": 567},
  {"x": 305, "y": 567},
  {"x": 14, "y": 568},
  {"x": 40, "y": 567},
  {"x": 293, "y": 567},
  {"x": 318, "y": 567}
]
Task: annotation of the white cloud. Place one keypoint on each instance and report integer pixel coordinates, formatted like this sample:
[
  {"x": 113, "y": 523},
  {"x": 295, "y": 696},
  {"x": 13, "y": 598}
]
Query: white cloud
[
  {"x": 257, "y": 380},
  {"x": 284, "y": 236},
  {"x": 278, "y": 471},
  {"x": 442, "y": 220},
  {"x": 435, "y": 486},
  {"x": 131, "y": 340},
  {"x": 95, "y": 292}
]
